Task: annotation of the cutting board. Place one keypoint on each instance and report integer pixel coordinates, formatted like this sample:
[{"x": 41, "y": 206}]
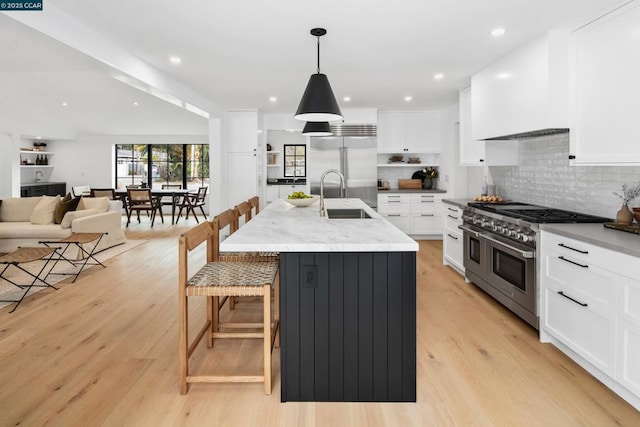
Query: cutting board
[{"x": 410, "y": 183}]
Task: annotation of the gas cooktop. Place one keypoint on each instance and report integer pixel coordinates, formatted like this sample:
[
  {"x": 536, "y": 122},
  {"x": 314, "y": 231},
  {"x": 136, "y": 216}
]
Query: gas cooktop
[{"x": 537, "y": 214}]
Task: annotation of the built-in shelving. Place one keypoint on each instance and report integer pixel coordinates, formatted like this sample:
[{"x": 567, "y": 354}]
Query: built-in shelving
[{"x": 407, "y": 165}]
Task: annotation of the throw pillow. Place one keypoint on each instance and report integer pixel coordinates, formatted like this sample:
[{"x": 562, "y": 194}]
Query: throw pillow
[
  {"x": 100, "y": 204},
  {"x": 70, "y": 216},
  {"x": 44, "y": 210},
  {"x": 68, "y": 204}
]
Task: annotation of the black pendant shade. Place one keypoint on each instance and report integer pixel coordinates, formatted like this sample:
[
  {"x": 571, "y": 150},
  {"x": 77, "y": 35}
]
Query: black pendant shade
[
  {"x": 318, "y": 104},
  {"x": 317, "y": 129}
]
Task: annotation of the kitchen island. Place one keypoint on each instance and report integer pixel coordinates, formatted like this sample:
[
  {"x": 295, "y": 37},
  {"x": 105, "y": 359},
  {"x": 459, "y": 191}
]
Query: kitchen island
[{"x": 348, "y": 301}]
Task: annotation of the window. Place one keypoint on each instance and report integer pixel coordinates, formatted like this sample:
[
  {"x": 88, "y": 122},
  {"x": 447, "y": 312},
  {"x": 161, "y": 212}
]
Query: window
[
  {"x": 295, "y": 160},
  {"x": 158, "y": 164}
]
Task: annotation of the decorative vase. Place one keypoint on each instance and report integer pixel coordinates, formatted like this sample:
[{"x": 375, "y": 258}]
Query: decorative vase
[
  {"x": 427, "y": 183},
  {"x": 624, "y": 215}
]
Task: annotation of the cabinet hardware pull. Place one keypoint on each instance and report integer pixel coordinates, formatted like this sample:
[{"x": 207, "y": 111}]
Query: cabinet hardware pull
[
  {"x": 573, "y": 249},
  {"x": 572, "y": 157},
  {"x": 424, "y": 195},
  {"x": 393, "y": 214},
  {"x": 427, "y": 215},
  {"x": 573, "y": 262},
  {"x": 453, "y": 210},
  {"x": 453, "y": 237},
  {"x": 426, "y": 201},
  {"x": 394, "y": 201},
  {"x": 451, "y": 216},
  {"x": 584, "y": 304}
]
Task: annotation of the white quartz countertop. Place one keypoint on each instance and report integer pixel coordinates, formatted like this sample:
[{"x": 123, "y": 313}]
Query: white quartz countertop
[{"x": 281, "y": 227}]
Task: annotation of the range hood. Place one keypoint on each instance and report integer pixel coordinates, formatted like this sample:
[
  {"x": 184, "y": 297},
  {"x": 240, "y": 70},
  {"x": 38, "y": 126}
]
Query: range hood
[
  {"x": 530, "y": 134},
  {"x": 349, "y": 129}
]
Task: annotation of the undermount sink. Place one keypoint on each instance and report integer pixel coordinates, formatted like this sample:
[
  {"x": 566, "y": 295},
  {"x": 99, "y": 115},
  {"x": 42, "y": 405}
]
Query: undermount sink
[{"x": 347, "y": 214}]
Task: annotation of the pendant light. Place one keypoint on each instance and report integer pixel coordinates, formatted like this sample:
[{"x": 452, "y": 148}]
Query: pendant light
[
  {"x": 318, "y": 104},
  {"x": 317, "y": 129}
]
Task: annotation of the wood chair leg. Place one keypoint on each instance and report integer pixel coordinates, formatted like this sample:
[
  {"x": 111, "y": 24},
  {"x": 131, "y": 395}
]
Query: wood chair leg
[
  {"x": 210, "y": 302},
  {"x": 183, "y": 344},
  {"x": 215, "y": 320},
  {"x": 161, "y": 216},
  {"x": 232, "y": 303},
  {"x": 267, "y": 338},
  {"x": 204, "y": 215}
]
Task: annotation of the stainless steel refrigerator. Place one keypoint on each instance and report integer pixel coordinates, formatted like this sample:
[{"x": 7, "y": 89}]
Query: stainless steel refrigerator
[{"x": 355, "y": 157}]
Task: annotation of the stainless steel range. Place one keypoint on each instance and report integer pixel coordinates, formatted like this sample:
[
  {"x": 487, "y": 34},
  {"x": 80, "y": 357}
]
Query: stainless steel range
[{"x": 500, "y": 250}]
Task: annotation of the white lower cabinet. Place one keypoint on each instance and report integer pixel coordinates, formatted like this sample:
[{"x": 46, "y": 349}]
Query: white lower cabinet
[
  {"x": 629, "y": 334},
  {"x": 396, "y": 209},
  {"x": 273, "y": 193},
  {"x": 452, "y": 253},
  {"x": 413, "y": 213},
  {"x": 590, "y": 309}
]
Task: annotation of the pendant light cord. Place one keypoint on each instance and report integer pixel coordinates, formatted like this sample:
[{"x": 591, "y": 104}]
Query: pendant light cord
[{"x": 318, "y": 54}]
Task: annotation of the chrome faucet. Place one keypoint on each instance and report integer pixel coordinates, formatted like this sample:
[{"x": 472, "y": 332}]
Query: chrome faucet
[
  {"x": 343, "y": 188},
  {"x": 38, "y": 176}
]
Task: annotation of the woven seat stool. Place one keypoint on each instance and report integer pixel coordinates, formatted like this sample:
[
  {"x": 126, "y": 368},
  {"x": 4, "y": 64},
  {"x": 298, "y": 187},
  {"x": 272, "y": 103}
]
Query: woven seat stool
[
  {"x": 77, "y": 240},
  {"x": 22, "y": 256},
  {"x": 242, "y": 211},
  {"x": 225, "y": 279}
]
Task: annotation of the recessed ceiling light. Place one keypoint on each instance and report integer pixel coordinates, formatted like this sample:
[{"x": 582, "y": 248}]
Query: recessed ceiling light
[
  {"x": 438, "y": 76},
  {"x": 175, "y": 60},
  {"x": 346, "y": 99},
  {"x": 135, "y": 103},
  {"x": 273, "y": 99},
  {"x": 64, "y": 104},
  {"x": 38, "y": 137},
  {"x": 503, "y": 75},
  {"x": 408, "y": 98},
  {"x": 496, "y": 32}
]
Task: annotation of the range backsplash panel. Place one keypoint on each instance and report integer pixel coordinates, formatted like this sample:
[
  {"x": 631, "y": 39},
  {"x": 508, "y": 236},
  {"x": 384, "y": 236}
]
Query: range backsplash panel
[{"x": 544, "y": 177}]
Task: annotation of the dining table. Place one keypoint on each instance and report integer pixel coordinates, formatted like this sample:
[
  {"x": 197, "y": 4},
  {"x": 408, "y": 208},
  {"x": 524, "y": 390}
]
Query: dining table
[{"x": 175, "y": 193}]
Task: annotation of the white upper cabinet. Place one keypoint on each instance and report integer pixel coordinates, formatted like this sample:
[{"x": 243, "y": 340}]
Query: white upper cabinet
[
  {"x": 409, "y": 132},
  {"x": 359, "y": 115},
  {"x": 605, "y": 64},
  {"x": 242, "y": 131},
  {"x": 524, "y": 91},
  {"x": 471, "y": 151}
]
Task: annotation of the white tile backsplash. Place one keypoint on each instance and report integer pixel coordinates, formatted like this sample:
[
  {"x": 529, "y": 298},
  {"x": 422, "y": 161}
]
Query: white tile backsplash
[{"x": 544, "y": 177}]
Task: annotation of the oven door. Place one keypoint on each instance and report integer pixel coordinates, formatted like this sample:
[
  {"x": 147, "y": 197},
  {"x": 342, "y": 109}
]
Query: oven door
[
  {"x": 511, "y": 269},
  {"x": 475, "y": 252}
]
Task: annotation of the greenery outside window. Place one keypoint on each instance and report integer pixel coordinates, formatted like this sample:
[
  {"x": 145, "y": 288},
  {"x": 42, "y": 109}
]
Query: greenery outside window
[
  {"x": 158, "y": 164},
  {"x": 295, "y": 160}
]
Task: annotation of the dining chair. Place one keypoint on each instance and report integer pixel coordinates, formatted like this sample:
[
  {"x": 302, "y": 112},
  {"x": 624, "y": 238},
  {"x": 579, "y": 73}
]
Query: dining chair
[
  {"x": 169, "y": 200},
  {"x": 218, "y": 279},
  {"x": 192, "y": 201},
  {"x": 81, "y": 190},
  {"x": 110, "y": 193},
  {"x": 140, "y": 199}
]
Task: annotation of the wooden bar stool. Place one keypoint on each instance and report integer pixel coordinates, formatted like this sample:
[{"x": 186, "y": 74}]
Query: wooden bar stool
[
  {"x": 241, "y": 216},
  {"x": 218, "y": 279}
]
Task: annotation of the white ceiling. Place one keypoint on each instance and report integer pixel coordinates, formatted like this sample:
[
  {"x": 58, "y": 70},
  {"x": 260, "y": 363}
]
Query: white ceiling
[{"x": 239, "y": 53}]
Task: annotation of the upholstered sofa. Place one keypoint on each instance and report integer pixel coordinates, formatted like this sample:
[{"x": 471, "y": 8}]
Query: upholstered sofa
[{"x": 29, "y": 220}]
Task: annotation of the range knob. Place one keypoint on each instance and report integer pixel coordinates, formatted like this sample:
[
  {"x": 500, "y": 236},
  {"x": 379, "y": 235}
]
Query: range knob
[{"x": 511, "y": 232}]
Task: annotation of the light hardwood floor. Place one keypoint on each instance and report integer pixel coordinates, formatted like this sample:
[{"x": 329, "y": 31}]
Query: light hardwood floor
[{"x": 103, "y": 352}]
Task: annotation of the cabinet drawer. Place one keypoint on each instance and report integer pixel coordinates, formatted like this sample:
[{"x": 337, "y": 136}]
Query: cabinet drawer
[
  {"x": 426, "y": 223},
  {"x": 578, "y": 250},
  {"x": 452, "y": 243},
  {"x": 400, "y": 220},
  {"x": 394, "y": 198},
  {"x": 452, "y": 220},
  {"x": 581, "y": 280},
  {"x": 585, "y": 330}
]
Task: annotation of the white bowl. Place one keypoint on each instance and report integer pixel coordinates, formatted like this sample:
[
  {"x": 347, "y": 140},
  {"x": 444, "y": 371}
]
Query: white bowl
[{"x": 303, "y": 202}]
